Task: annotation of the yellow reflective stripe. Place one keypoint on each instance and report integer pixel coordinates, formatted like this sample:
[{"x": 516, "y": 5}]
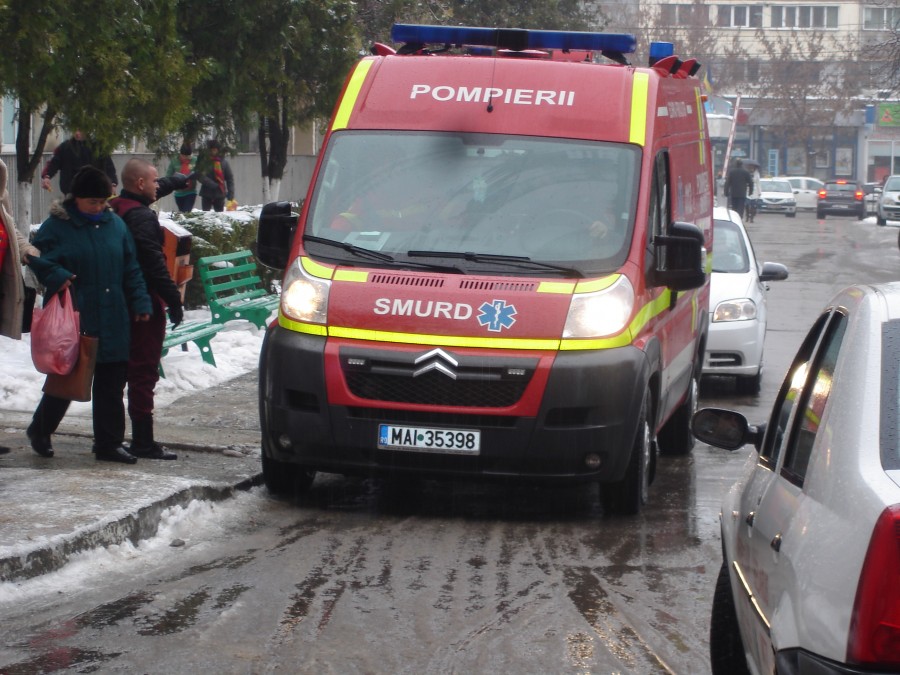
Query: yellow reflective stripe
[
  {"x": 641, "y": 319},
  {"x": 299, "y": 327},
  {"x": 562, "y": 287},
  {"x": 350, "y": 95},
  {"x": 595, "y": 285},
  {"x": 639, "y": 91},
  {"x": 442, "y": 340},
  {"x": 700, "y": 117},
  {"x": 351, "y": 275},
  {"x": 317, "y": 270}
]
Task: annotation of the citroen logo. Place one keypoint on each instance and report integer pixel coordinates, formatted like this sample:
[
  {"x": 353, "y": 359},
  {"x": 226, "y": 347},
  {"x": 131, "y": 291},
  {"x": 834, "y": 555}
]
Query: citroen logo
[{"x": 436, "y": 359}]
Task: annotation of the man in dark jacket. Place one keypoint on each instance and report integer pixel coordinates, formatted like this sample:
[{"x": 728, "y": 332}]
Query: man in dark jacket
[
  {"x": 738, "y": 184},
  {"x": 70, "y": 156},
  {"x": 142, "y": 187}
]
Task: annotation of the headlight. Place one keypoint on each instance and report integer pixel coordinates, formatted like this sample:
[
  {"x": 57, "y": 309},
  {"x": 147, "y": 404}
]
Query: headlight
[
  {"x": 742, "y": 309},
  {"x": 304, "y": 297},
  {"x": 606, "y": 312}
]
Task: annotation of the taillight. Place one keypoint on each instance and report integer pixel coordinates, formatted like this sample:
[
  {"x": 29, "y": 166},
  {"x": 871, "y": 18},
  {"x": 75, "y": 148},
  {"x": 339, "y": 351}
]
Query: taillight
[
  {"x": 822, "y": 194},
  {"x": 859, "y": 195},
  {"x": 875, "y": 623}
]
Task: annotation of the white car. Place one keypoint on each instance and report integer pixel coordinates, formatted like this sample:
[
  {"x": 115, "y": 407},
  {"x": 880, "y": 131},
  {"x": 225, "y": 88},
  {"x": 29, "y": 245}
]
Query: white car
[
  {"x": 776, "y": 196},
  {"x": 737, "y": 304},
  {"x": 889, "y": 201},
  {"x": 806, "y": 190},
  {"x": 810, "y": 581}
]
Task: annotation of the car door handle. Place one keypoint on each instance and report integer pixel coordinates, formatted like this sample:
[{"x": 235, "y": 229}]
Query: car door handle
[
  {"x": 750, "y": 518},
  {"x": 776, "y": 543}
]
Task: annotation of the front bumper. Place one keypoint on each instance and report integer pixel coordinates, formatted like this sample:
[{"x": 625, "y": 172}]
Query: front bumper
[
  {"x": 587, "y": 403},
  {"x": 733, "y": 348},
  {"x": 766, "y": 206}
]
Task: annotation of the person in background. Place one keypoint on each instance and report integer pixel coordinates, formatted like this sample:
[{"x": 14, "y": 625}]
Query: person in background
[
  {"x": 184, "y": 164},
  {"x": 69, "y": 156},
  {"x": 755, "y": 195},
  {"x": 216, "y": 179},
  {"x": 14, "y": 248},
  {"x": 142, "y": 187},
  {"x": 737, "y": 186},
  {"x": 86, "y": 247}
]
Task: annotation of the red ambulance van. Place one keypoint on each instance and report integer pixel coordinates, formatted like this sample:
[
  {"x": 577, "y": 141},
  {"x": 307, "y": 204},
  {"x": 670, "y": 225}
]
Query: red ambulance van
[{"x": 499, "y": 271}]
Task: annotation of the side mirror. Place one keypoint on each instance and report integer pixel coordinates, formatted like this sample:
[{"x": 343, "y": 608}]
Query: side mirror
[
  {"x": 725, "y": 429},
  {"x": 773, "y": 272},
  {"x": 679, "y": 258},
  {"x": 277, "y": 224}
]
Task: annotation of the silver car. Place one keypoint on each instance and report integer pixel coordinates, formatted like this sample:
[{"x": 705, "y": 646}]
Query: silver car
[
  {"x": 889, "y": 202},
  {"x": 810, "y": 581},
  {"x": 776, "y": 196}
]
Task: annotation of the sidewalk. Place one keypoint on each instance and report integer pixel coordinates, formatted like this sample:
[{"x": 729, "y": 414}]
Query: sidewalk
[{"x": 53, "y": 508}]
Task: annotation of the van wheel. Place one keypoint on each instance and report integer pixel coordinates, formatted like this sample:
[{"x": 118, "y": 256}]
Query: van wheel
[
  {"x": 627, "y": 496},
  {"x": 749, "y": 385},
  {"x": 283, "y": 478},
  {"x": 676, "y": 437},
  {"x": 726, "y": 649}
]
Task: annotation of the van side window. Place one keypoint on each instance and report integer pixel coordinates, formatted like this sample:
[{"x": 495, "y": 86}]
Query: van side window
[{"x": 658, "y": 214}]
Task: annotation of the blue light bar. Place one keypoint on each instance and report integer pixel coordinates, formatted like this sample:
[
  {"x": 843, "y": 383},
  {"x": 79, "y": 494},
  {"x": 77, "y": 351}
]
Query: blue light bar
[
  {"x": 660, "y": 50},
  {"x": 514, "y": 38}
]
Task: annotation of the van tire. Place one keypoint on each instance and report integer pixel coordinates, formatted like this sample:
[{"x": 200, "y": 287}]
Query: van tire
[
  {"x": 283, "y": 478},
  {"x": 627, "y": 496},
  {"x": 726, "y": 649},
  {"x": 676, "y": 437}
]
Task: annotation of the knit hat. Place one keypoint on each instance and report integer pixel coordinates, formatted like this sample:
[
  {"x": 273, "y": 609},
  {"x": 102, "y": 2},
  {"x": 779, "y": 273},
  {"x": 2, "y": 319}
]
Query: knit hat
[
  {"x": 91, "y": 183},
  {"x": 186, "y": 149}
]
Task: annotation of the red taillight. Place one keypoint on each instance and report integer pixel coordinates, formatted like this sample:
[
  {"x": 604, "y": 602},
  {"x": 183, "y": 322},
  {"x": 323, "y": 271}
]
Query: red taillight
[
  {"x": 859, "y": 195},
  {"x": 822, "y": 194},
  {"x": 875, "y": 623}
]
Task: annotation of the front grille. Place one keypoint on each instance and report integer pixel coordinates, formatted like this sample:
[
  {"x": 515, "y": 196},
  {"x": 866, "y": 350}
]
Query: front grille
[
  {"x": 427, "y": 417},
  {"x": 435, "y": 388}
]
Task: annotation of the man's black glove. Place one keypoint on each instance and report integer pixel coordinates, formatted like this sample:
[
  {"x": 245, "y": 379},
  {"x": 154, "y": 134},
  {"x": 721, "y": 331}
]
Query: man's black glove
[
  {"x": 179, "y": 181},
  {"x": 176, "y": 314}
]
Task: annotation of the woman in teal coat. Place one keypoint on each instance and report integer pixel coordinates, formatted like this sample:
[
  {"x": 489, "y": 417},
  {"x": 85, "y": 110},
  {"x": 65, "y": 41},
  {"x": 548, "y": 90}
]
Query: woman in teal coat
[{"x": 86, "y": 247}]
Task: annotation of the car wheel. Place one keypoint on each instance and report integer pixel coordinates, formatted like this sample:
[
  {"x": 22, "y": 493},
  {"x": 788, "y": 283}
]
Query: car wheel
[
  {"x": 861, "y": 214},
  {"x": 820, "y": 215},
  {"x": 283, "y": 478},
  {"x": 749, "y": 385},
  {"x": 627, "y": 496},
  {"x": 726, "y": 649},
  {"x": 880, "y": 221},
  {"x": 676, "y": 437}
]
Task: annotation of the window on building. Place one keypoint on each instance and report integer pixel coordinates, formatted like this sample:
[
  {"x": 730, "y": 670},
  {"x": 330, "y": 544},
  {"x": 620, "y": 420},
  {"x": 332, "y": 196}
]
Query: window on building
[
  {"x": 8, "y": 128},
  {"x": 740, "y": 16},
  {"x": 881, "y": 18},
  {"x": 684, "y": 14},
  {"x": 808, "y": 16}
]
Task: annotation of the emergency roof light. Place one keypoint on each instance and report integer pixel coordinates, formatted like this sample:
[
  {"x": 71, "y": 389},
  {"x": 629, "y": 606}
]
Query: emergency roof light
[{"x": 516, "y": 39}]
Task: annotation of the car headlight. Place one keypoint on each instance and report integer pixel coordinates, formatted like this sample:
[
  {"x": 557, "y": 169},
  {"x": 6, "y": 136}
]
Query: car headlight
[
  {"x": 742, "y": 309},
  {"x": 601, "y": 313},
  {"x": 304, "y": 297}
]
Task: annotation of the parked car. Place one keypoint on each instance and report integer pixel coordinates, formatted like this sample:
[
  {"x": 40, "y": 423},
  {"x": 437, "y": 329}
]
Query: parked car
[
  {"x": 809, "y": 582},
  {"x": 737, "y": 304},
  {"x": 806, "y": 190},
  {"x": 776, "y": 196},
  {"x": 845, "y": 197},
  {"x": 889, "y": 202}
]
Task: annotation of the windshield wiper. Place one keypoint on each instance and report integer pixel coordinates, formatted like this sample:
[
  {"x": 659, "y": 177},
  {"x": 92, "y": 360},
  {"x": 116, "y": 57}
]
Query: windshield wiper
[
  {"x": 350, "y": 248},
  {"x": 521, "y": 261},
  {"x": 363, "y": 252}
]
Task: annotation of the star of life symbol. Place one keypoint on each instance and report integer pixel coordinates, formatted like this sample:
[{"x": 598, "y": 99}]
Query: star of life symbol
[{"x": 497, "y": 315}]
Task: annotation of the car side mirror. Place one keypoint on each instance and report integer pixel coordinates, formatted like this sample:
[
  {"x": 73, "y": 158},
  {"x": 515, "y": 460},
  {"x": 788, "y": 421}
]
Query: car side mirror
[
  {"x": 679, "y": 258},
  {"x": 726, "y": 429},
  {"x": 277, "y": 224},
  {"x": 772, "y": 271}
]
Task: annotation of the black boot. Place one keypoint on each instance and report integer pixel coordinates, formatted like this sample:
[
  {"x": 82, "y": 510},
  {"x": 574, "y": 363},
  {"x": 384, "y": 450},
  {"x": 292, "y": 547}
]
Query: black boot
[{"x": 142, "y": 443}]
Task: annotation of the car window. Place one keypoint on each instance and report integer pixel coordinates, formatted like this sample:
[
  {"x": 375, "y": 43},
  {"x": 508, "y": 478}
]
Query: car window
[
  {"x": 729, "y": 251},
  {"x": 775, "y": 186},
  {"x": 814, "y": 184},
  {"x": 791, "y": 388},
  {"x": 796, "y": 183},
  {"x": 817, "y": 388},
  {"x": 892, "y": 184},
  {"x": 842, "y": 187}
]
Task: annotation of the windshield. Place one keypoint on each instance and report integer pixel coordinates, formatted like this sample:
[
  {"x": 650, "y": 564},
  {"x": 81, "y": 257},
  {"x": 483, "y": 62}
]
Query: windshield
[
  {"x": 546, "y": 200},
  {"x": 774, "y": 186},
  {"x": 892, "y": 184},
  {"x": 729, "y": 251}
]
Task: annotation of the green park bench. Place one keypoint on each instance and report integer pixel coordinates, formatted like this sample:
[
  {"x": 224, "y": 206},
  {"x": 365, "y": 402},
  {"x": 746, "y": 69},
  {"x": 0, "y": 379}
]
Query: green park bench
[
  {"x": 198, "y": 332},
  {"x": 234, "y": 290}
]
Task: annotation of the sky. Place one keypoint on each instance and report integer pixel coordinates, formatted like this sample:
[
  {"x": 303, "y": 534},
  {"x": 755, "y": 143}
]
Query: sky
[{"x": 236, "y": 350}]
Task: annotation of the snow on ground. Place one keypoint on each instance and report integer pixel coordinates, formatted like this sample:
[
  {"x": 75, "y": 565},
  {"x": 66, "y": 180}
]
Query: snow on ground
[{"x": 236, "y": 351}]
